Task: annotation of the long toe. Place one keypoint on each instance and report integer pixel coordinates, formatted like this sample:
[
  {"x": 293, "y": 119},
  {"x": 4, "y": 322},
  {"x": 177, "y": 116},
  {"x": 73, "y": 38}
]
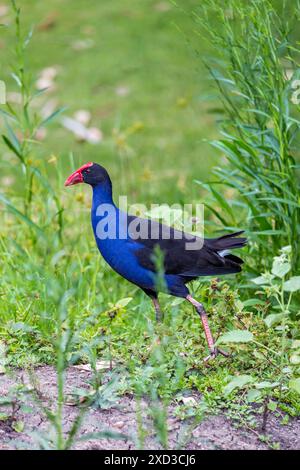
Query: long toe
[
  {"x": 224, "y": 353},
  {"x": 214, "y": 352}
]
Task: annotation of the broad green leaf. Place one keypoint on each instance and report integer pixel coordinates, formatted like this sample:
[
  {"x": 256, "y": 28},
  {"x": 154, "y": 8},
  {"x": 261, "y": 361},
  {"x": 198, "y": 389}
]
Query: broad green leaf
[
  {"x": 253, "y": 395},
  {"x": 292, "y": 285},
  {"x": 295, "y": 359},
  {"x": 263, "y": 280},
  {"x": 280, "y": 268},
  {"x": 294, "y": 384},
  {"x": 273, "y": 319},
  {"x": 260, "y": 281},
  {"x": 286, "y": 249},
  {"x": 237, "y": 382},
  {"x": 123, "y": 302},
  {"x": 236, "y": 336},
  {"x": 266, "y": 384},
  {"x": 272, "y": 405}
]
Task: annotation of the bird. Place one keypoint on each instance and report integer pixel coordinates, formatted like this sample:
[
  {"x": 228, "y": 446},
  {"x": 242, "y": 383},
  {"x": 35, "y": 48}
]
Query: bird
[{"x": 129, "y": 245}]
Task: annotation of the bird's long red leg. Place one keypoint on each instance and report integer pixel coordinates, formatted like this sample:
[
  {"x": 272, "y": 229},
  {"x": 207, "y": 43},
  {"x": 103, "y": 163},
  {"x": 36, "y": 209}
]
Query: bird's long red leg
[
  {"x": 209, "y": 338},
  {"x": 158, "y": 312}
]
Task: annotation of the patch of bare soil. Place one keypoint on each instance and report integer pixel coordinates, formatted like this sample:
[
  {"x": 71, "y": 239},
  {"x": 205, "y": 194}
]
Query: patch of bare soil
[{"x": 214, "y": 432}]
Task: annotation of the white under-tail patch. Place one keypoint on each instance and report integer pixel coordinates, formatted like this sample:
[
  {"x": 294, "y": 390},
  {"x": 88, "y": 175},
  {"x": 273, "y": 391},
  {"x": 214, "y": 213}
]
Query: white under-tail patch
[{"x": 224, "y": 253}]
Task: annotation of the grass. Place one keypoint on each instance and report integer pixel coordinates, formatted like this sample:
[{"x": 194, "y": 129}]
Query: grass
[{"x": 60, "y": 303}]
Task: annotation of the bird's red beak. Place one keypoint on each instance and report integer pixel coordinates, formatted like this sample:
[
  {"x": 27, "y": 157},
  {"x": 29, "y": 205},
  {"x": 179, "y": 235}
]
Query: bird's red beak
[
  {"x": 77, "y": 177},
  {"x": 74, "y": 178}
]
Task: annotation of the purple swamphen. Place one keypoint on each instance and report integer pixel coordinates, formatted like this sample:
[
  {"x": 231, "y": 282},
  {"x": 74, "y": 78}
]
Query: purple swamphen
[{"x": 127, "y": 243}]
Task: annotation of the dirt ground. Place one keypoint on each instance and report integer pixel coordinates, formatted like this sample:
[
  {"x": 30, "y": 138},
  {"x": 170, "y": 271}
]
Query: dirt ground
[{"x": 214, "y": 432}]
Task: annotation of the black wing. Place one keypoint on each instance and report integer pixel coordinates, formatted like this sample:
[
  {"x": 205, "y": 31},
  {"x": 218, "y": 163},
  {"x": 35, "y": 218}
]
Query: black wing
[{"x": 207, "y": 259}]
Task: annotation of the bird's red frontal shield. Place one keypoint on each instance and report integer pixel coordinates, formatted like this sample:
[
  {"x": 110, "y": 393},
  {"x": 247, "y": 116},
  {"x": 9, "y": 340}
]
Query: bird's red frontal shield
[{"x": 77, "y": 177}]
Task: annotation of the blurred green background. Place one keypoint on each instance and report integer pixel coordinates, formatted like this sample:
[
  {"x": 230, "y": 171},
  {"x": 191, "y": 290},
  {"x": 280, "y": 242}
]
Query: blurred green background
[{"x": 130, "y": 64}]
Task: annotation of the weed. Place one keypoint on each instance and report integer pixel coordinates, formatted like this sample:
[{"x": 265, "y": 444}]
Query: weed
[{"x": 256, "y": 65}]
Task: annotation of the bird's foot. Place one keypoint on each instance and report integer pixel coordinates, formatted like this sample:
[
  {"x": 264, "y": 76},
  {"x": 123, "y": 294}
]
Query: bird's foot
[{"x": 214, "y": 352}]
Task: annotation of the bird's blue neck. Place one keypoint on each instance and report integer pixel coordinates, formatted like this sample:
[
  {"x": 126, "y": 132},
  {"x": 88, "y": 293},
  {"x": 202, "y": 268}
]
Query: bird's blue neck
[
  {"x": 102, "y": 194},
  {"x": 106, "y": 218}
]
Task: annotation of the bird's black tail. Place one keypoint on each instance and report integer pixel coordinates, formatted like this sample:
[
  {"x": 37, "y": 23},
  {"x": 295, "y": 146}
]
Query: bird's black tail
[
  {"x": 221, "y": 248},
  {"x": 215, "y": 258},
  {"x": 228, "y": 242}
]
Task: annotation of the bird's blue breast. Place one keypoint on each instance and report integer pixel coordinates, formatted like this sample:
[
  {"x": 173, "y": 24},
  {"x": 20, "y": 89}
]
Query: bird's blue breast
[{"x": 118, "y": 248}]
